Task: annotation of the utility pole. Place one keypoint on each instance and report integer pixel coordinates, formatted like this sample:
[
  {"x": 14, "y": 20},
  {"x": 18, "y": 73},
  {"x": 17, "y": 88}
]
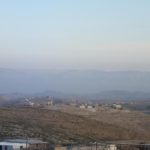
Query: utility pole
[{"x": 26, "y": 141}]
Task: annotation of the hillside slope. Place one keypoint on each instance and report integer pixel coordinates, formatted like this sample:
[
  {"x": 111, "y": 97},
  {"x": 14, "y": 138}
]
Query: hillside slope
[{"x": 60, "y": 127}]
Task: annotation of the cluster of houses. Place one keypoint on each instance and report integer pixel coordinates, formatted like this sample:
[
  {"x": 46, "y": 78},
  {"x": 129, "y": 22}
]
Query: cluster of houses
[
  {"x": 49, "y": 101},
  {"x": 94, "y": 108},
  {"x": 88, "y": 107},
  {"x": 22, "y": 144},
  {"x": 36, "y": 144},
  {"x": 32, "y": 103},
  {"x": 87, "y": 147}
]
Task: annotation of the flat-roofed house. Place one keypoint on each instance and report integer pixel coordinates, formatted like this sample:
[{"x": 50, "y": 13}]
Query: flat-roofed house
[{"x": 20, "y": 144}]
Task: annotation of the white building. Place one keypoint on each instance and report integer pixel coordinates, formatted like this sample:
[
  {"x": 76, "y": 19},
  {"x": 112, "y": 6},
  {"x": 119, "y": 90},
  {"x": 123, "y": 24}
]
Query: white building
[
  {"x": 50, "y": 103},
  {"x": 82, "y": 106},
  {"x": 21, "y": 144},
  {"x": 117, "y": 106},
  {"x": 13, "y": 146},
  {"x": 112, "y": 147},
  {"x": 91, "y": 108}
]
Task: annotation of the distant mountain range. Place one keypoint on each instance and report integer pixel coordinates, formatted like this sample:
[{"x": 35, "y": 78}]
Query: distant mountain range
[{"x": 87, "y": 84}]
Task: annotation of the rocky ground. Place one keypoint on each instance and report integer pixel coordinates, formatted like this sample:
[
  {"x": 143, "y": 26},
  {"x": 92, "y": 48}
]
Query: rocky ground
[{"x": 57, "y": 126}]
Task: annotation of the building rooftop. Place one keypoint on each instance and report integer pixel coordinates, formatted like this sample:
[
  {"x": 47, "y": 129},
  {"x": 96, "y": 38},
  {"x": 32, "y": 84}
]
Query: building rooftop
[
  {"x": 129, "y": 142},
  {"x": 29, "y": 141}
]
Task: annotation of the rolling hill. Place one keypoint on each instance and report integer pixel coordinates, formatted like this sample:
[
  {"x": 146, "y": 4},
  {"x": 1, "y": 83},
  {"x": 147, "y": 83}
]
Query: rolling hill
[{"x": 60, "y": 127}]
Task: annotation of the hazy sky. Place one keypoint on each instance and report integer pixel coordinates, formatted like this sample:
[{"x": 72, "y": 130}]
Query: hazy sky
[{"x": 75, "y": 34}]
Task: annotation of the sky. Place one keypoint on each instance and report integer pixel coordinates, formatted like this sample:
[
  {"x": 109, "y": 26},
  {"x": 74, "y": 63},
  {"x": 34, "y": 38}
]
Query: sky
[{"x": 75, "y": 34}]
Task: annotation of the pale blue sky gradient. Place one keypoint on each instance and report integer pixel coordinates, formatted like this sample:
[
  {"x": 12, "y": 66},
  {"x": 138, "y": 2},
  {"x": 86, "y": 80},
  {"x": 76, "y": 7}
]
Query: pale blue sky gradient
[{"x": 75, "y": 34}]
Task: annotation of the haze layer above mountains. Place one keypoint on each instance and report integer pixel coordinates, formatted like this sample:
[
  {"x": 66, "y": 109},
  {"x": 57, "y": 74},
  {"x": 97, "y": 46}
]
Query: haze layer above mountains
[{"x": 73, "y": 81}]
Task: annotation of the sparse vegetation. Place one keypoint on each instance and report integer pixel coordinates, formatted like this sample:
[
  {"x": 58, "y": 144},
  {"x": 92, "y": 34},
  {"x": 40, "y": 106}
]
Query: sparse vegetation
[{"x": 61, "y": 127}]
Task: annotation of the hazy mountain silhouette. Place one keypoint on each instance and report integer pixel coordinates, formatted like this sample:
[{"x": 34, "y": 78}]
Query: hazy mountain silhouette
[{"x": 75, "y": 82}]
